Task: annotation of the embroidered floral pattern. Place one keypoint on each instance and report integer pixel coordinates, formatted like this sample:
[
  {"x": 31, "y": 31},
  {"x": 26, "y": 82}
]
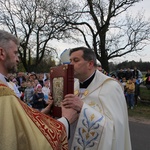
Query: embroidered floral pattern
[{"x": 87, "y": 134}]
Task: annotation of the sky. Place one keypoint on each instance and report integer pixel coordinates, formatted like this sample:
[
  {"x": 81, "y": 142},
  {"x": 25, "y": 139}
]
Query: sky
[{"x": 143, "y": 55}]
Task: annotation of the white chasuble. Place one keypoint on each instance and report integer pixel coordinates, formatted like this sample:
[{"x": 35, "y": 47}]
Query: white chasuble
[{"x": 103, "y": 121}]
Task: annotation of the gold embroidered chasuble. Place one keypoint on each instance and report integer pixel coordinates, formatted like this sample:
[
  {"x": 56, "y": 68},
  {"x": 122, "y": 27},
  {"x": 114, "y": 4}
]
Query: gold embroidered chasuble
[{"x": 23, "y": 128}]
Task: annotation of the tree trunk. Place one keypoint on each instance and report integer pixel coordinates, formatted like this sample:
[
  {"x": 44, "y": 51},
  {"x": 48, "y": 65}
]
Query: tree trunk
[{"x": 104, "y": 59}]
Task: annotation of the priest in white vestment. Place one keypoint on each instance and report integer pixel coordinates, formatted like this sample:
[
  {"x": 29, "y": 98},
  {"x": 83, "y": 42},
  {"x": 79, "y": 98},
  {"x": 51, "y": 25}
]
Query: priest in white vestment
[{"x": 100, "y": 102}]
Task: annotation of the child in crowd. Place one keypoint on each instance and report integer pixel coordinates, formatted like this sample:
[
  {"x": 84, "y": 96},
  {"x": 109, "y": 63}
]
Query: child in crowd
[
  {"x": 38, "y": 98},
  {"x": 130, "y": 89},
  {"x": 46, "y": 89}
]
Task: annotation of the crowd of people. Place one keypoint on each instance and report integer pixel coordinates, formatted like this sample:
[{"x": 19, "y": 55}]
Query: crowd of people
[
  {"x": 31, "y": 88},
  {"x": 34, "y": 88},
  {"x": 130, "y": 79}
]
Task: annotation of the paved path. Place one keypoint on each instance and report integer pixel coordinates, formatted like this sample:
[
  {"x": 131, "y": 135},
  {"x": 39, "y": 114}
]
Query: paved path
[{"x": 140, "y": 135}]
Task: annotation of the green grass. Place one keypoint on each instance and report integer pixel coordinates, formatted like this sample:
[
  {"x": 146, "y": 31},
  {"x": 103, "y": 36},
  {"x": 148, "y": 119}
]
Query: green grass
[
  {"x": 142, "y": 110},
  {"x": 144, "y": 93}
]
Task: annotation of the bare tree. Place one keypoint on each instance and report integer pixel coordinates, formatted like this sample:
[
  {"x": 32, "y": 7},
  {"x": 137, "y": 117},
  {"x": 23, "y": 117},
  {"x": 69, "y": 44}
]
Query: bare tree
[
  {"x": 35, "y": 23},
  {"x": 103, "y": 27}
]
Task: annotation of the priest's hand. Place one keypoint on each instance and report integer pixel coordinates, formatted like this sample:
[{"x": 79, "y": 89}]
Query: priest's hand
[{"x": 72, "y": 101}]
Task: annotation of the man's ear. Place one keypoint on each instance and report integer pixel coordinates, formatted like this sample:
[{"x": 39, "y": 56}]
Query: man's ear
[
  {"x": 91, "y": 64},
  {"x": 2, "y": 53}
]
